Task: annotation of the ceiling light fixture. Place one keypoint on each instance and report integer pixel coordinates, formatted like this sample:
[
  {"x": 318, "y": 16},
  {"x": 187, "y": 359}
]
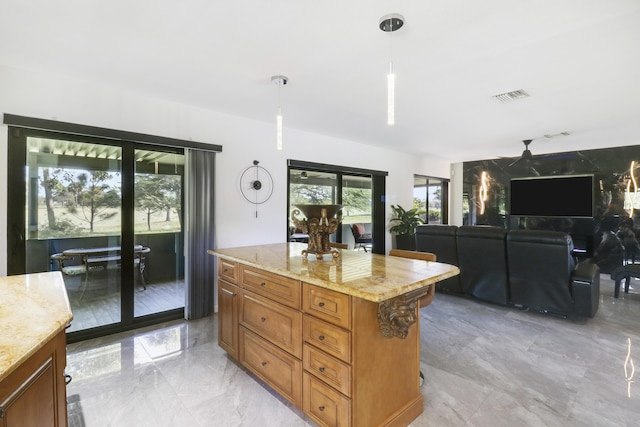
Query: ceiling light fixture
[
  {"x": 279, "y": 81},
  {"x": 390, "y": 23}
]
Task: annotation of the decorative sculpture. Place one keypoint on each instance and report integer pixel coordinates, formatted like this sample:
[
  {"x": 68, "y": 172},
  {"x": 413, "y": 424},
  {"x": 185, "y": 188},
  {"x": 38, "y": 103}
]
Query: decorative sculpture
[
  {"x": 320, "y": 222},
  {"x": 395, "y": 316}
]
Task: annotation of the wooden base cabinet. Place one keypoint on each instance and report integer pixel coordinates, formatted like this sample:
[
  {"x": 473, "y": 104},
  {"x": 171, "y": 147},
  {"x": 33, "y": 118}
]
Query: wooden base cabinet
[
  {"x": 228, "y": 317},
  {"x": 34, "y": 395},
  {"x": 320, "y": 349}
]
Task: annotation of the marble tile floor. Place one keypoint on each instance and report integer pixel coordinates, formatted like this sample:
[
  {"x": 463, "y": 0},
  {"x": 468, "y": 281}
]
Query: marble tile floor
[{"x": 484, "y": 365}]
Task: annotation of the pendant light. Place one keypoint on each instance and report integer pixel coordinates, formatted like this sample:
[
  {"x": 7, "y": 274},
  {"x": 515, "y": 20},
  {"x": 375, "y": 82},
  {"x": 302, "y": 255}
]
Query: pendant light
[
  {"x": 279, "y": 81},
  {"x": 390, "y": 23}
]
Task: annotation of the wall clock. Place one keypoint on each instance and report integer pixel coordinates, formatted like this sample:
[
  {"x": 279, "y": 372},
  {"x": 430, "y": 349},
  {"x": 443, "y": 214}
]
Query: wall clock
[{"x": 256, "y": 184}]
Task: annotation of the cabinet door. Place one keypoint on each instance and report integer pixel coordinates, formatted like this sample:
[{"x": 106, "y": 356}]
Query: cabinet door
[
  {"x": 32, "y": 403},
  {"x": 228, "y": 317}
]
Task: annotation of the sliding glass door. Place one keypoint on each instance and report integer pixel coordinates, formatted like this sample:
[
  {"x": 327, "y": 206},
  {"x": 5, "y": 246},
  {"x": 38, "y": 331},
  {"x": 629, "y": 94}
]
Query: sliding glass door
[
  {"x": 159, "y": 239},
  {"x": 107, "y": 215},
  {"x": 73, "y": 211}
]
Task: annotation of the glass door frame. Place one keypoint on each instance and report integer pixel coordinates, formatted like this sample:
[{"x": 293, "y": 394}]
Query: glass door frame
[{"x": 17, "y": 220}]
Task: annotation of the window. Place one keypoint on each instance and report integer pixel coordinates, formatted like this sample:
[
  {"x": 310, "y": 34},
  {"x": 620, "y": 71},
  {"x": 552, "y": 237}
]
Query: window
[
  {"x": 359, "y": 191},
  {"x": 431, "y": 195}
]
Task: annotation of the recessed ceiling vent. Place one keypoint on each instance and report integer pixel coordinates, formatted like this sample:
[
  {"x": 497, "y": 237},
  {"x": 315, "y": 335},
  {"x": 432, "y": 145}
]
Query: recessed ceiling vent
[
  {"x": 511, "y": 96},
  {"x": 557, "y": 134}
]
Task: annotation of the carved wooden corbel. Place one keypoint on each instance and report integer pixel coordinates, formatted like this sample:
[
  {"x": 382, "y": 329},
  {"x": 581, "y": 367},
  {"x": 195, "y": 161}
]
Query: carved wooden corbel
[{"x": 396, "y": 315}]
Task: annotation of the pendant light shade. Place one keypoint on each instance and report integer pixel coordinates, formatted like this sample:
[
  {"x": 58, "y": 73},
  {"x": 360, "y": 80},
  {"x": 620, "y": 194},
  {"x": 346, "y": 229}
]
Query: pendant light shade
[
  {"x": 279, "y": 129},
  {"x": 391, "y": 96},
  {"x": 279, "y": 81},
  {"x": 390, "y": 23}
]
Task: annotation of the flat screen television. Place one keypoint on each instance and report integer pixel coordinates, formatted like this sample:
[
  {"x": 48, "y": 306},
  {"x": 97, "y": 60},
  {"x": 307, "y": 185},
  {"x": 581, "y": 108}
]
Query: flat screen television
[{"x": 552, "y": 196}]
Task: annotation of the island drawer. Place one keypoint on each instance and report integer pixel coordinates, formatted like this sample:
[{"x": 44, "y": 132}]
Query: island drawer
[
  {"x": 278, "y": 368},
  {"x": 228, "y": 270},
  {"x": 332, "y": 371},
  {"x": 332, "y": 306},
  {"x": 323, "y": 404},
  {"x": 279, "y": 288},
  {"x": 279, "y": 324},
  {"x": 327, "y": 337}
]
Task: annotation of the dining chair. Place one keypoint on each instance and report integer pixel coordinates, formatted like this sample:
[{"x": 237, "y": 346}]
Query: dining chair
[
  {"x": 428, "y": 298},
  {"x": 424, "y": 256},
  {"x": 362, "y": 238},
  {"x": 339, "y": 245}
]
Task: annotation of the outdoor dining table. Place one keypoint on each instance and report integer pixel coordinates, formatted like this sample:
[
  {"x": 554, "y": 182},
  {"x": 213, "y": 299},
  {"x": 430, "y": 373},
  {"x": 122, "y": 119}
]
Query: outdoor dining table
[{"x": 100, "y": 257}]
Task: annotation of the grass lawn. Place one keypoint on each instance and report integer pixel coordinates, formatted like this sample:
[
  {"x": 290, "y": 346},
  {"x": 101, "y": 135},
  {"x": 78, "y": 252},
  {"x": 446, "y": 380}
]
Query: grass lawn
[{"x": 109, "y": 226}]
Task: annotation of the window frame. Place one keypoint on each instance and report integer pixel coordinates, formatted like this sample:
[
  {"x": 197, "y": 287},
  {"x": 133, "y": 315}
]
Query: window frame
[
  {"x": 444, "y": 195},
  {"x": 378, "y": 190}
]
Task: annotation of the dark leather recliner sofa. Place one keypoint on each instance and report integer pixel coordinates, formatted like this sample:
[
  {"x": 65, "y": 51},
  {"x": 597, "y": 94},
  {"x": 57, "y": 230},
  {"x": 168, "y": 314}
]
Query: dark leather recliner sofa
[
  {"x": 482, "y": 251},
  {"x": 525, "y": 268},
  {"x": 441, "y": 240}
]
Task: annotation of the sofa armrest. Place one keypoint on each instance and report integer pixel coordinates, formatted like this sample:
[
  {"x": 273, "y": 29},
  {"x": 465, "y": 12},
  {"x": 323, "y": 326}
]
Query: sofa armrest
[{"x": 585, "y": 287}]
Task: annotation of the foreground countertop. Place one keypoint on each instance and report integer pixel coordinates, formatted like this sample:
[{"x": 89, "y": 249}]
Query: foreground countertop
[
  {"x": 364, "y": 275},
  {"x": 33, "y": 309}
]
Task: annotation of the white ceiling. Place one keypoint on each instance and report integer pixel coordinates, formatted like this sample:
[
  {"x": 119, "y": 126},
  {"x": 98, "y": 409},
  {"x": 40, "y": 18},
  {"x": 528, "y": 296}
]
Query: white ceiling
[{"x": 578, "y": 59}]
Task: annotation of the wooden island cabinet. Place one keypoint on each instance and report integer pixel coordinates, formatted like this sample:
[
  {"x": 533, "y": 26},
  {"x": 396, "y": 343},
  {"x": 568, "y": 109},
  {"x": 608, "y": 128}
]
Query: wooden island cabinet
[
  {"x": 33, "y": 317},
  {"x": 317, "y": 331}
]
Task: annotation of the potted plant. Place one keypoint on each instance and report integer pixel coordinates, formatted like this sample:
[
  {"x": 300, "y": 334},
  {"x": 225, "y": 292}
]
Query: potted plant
[{"x": 405, "y": 223}]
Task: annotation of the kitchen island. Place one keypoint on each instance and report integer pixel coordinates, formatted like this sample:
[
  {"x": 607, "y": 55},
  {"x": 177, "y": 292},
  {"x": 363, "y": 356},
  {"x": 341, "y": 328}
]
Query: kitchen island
[
  {"x": 337, "y": 337},
  {"x": 34, "y": 313}
]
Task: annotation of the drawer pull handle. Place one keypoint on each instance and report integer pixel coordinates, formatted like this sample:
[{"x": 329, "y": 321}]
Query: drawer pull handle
[
  {"x": 321, "y": 369},
  {"x": 321, "y": 304},
  {"x": 321, "y": 337},
  {"x": 263, "y": 284},
  {"x": 263, "y": 319},
  {"x": 321, "y": 408},
  {"x": 264, "y": 363}
]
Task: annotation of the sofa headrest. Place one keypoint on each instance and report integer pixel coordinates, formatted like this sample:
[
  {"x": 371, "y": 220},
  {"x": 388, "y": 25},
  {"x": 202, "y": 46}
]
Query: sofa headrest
[
  {"x": 436, "y": 230},
  {"x": 540, "y": 236},
  {"x": 482, "y": 231}
]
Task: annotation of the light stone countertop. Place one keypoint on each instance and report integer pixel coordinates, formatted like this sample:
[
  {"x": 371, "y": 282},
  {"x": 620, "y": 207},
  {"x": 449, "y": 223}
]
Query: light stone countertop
[
  {"x": 368, "y": 276},
  {"x": 33, "y": 309}
]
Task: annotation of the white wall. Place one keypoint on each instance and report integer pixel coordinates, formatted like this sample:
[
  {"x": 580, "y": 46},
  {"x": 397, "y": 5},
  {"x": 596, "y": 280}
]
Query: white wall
[
  {"x": 55, "y": 97},
  {"x": 455, "y": 194}
]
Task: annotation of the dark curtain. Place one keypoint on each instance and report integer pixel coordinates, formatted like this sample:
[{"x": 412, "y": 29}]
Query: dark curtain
[{"x": 199, "y": 265}]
